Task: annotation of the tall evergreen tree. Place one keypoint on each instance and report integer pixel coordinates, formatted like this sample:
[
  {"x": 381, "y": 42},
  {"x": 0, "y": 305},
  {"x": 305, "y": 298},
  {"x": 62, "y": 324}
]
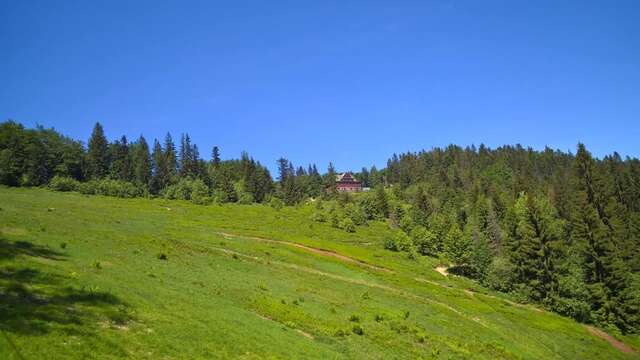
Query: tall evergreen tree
[
  {"x": 97, "y": 156},
  {"x": 141, "y": 163},
  {"x": 215, "y": 157}
]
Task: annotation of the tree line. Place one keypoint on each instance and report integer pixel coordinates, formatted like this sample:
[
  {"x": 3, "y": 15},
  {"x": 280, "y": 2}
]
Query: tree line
[
  {"x": 551, "y": 227},
  {"x": 38, "y": 157},
  {"x": 555, "y": 228}
]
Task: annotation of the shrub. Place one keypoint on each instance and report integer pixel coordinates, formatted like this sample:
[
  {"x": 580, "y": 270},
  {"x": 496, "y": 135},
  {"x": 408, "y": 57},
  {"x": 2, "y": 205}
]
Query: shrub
[
  {"x": 199, "y": 192},
  {"x": 426, "y": 242},
  {"x": 63, "y": 183},
  {"x": 354, "y": 318},
  {"x": 162, "y": 256},
  {"x": 334, "y": 220},
  {"x": 110, "y": 187},
  {"x": 500, "y": 275},
  {"x": 399, "y": 241},
  {"x": 276, "y": 203},
  {"x": 318, "y": 216},
  {"x": 245, "y": 198},
  {"x": 356, "y": 214},
  {"x": 358, "y": 330},
  {"x": 347, "y": 225}
]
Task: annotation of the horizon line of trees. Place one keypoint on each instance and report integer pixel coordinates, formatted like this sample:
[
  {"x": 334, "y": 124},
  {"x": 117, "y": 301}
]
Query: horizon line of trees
[
  {"x": 549, "y": 227},
  {"x": 39, "y": 157}
]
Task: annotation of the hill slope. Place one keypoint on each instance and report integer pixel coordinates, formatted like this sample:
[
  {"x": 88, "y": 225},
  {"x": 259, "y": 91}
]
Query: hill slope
[{"x": 96, "y": 277}]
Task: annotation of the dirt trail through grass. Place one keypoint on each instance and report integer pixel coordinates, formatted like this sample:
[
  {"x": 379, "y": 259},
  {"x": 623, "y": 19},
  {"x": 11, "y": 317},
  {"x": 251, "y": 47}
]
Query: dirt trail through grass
[
  {"x": 352, "y": 281},
  {"x": 610, "y": 339},
  {"x": 322, "y": 252}
]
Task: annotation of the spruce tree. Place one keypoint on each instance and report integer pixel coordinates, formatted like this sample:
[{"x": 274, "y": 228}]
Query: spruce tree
[
  {"x": 159, "y": 168},
  {"x": 97, "y": 155},
  {"x": 141, "y": 163},
  {"x": 215, "y": 157},
  {"x": 171, "y": 160}
]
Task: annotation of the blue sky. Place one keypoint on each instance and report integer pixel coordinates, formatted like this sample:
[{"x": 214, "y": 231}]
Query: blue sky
[{"x": 316, "y": 81}]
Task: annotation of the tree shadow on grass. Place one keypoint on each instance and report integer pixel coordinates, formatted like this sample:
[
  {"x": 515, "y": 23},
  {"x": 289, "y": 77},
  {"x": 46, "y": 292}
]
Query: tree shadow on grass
[
  {"x": 10, "y": 250},
  {"x": 33, "y": 302}
]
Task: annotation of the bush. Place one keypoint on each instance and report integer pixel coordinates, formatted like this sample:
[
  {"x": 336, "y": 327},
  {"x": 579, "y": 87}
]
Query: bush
[
  {"x": 200, "y": 192},
  {"x": 500, "y": 275},
  {"x": 318, "y": 216},
  {"x": 276, "y": 203},
  {"x": 245, "y": 198},
  {"x": 426, "y": 242},
  {"x": 187, "y": 189},
  {"x": 399, "y": 241},
  {"x": 110, "y": 187},
  {"x": 356, "y": 214},
  {"x": 347, "y": 225},
  {"x": 358, "y": 330},
  {"x": 63, "y": 183}
]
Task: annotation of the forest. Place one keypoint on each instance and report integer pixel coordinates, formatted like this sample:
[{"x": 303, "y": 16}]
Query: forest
[{"x": 553, "y": 228}]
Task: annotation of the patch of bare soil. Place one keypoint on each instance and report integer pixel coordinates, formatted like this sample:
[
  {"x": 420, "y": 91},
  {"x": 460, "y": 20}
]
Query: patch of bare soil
[
  {"x": 610, "y": 339},
  {"x": 310, "y": 249},
  {"x": 442, "y": 270}
]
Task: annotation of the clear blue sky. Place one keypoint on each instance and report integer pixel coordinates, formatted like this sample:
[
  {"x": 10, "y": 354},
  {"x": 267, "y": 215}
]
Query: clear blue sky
[{"x": 318, "y": 81}]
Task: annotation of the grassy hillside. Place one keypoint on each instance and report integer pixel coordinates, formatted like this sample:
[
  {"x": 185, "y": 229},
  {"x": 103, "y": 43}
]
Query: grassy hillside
[{"x": 96, "y": 277}]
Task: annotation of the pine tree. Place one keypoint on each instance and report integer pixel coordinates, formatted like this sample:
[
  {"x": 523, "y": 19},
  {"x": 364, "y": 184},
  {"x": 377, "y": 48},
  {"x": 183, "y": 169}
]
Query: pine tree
[
  {"x": 215, "y": 157},
  {"x": 121, "y": 168},
  {"x": 159, "y": 168},
  {"x": 605, "y": 273},
  {"x": 171, "y": 160},
  {"x": 141, "y": 163},
  {"x": 97, "y": 155},
  {"x": 329, "y": 181},
  {"x": 381, "y": 202}
]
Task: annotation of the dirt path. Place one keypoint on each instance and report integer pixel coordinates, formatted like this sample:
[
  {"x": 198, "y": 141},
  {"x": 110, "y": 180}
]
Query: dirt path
[
  {"x": 310, "y": 249},
  {"x": 442, "y": 270},
  {"x": 472, "y": 293},
  {"x": 352, "y": 281},
  {"x": 610, "y": 339}
]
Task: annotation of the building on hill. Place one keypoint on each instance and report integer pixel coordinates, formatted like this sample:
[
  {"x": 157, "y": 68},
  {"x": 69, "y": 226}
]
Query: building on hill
[{"x": 346, "y": 182}]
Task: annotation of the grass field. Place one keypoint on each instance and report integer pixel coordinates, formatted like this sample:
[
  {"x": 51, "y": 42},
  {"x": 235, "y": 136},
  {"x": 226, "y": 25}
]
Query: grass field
[{"x": 96, "y": 277}]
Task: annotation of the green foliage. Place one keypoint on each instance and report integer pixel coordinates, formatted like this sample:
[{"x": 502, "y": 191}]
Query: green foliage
[
  {"x": 276, "y": 203},
  {"x": 97, "y": 154},
  {"x": 109, "y": 187},
  {"x": 187, "y": 189},
  {"x": 63, "y": 183},
  {"x": 500, "y": 275},
  {"x": 347, "y": 225},
  {"x": 398, "y": 241},
  {"x": 426, "y": 242},
  {"x": 457, "y": 247}
]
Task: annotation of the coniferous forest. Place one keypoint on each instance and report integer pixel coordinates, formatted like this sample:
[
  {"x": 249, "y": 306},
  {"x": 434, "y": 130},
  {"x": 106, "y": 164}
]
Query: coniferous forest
[{"x": 558, "y": 229}]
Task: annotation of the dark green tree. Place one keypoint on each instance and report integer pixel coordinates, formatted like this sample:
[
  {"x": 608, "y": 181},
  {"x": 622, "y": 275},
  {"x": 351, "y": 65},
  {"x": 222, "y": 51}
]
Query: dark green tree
[{"x": 98, "y": 153}]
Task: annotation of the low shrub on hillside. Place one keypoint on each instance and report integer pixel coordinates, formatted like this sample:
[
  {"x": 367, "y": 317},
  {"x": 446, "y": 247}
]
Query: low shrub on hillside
[
  {"x": 187, "y": 189},
  {"x": 347, "y": 225},
  {"x": 63, "y": 183},
  {"x": 110, "y": 187},
  {"x": 276, "y": 203},
  {"x": 399, "y": 241}
]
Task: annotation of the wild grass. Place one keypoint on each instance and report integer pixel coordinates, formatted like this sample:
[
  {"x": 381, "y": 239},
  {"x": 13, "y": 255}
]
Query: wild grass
[{"x": 98, "y": 277}]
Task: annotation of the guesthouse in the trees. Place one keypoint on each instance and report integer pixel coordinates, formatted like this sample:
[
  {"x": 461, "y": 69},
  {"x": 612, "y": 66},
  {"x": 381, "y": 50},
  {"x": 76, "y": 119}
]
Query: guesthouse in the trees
[{"x": 346, "y": 182}]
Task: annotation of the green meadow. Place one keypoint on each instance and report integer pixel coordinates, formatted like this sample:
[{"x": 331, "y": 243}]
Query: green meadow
[{"x": 97, "y": 277}]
